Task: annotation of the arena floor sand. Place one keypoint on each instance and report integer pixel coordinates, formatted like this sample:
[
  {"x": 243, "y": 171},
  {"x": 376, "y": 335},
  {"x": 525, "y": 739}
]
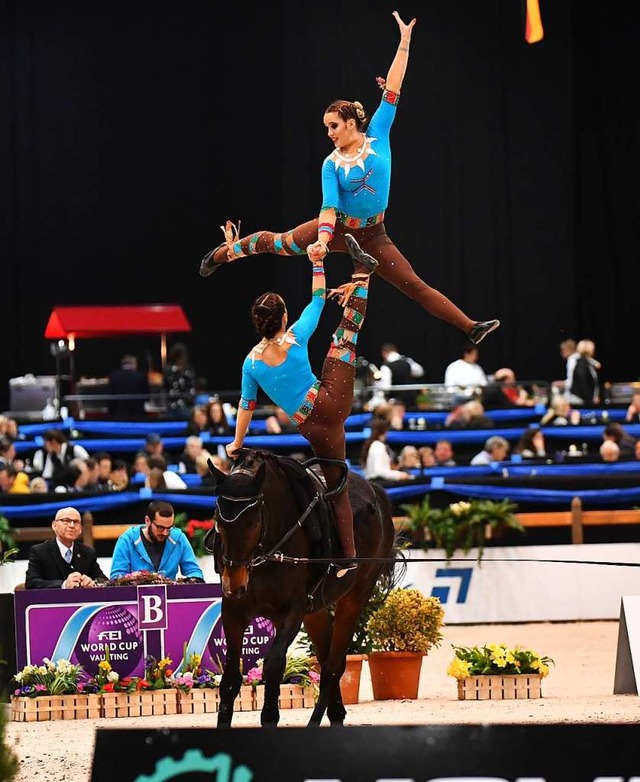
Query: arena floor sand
[{"x": 579, "y": 689}]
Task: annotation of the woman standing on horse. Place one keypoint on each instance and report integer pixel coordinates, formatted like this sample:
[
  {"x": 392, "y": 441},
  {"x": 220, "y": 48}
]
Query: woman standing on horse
[
  {"x": 279, "y": 364},
  {"x": 356, "y": 179}
]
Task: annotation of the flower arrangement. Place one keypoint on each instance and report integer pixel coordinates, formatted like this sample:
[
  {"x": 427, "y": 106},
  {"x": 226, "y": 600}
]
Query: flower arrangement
[
  {"x": 497, "y": 659},
  {"x": 461, "y": 525},
  {"x": 192, "y": 676},
  {"x": 51, "y": 678},
  {"x": 157, "y": 673},
  {"x": 196, "y": 532},
  {"x": 138, "y": 578},
  {"x": 298, "y": 670},
  {"x": 406, "y": 621}
]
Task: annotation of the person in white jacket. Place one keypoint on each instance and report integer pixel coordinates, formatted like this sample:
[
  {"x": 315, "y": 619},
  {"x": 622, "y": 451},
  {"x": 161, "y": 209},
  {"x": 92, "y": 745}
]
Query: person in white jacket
[{"x": 375, "y": 457}]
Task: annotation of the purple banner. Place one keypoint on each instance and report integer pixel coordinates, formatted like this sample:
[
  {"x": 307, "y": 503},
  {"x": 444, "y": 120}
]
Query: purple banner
[{"x": 131, "y": 622}]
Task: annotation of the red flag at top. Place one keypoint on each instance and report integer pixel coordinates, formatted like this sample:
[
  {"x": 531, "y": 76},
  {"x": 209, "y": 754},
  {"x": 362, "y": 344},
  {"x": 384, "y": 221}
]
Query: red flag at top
[{"x": 533, "y": 31}]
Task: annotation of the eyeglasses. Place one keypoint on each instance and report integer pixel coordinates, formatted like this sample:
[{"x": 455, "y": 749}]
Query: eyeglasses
[
  {"x": 162, "y": 528},
  {"x": 70, "y": 522}
]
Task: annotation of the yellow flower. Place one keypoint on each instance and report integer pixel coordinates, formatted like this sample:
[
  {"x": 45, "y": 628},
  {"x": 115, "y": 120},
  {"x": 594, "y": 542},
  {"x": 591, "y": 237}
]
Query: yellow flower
[
  {"x": 164, "y": 662},
  {"x": 459, "y": 669},
  {"x": 104, "y": 665}
]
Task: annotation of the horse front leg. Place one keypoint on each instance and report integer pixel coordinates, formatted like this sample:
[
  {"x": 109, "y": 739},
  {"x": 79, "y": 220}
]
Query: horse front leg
[
  {"x": 274, "y": 665},
  {"x": 234, "y": 627}
]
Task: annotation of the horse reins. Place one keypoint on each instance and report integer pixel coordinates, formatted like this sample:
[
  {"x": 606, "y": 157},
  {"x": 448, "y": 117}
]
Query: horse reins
[{"x": 273, "y": 555}]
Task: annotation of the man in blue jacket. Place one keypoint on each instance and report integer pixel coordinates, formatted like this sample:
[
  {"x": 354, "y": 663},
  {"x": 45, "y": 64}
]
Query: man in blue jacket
[{"x": 158, "y": 546}]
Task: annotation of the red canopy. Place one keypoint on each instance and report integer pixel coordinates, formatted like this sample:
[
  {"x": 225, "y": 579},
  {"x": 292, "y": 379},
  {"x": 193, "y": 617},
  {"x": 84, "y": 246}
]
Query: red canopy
[{"x": 91, "y": 322}]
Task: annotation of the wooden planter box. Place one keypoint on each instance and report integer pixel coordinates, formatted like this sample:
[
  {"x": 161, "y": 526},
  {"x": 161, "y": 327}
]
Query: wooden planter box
[
  {"x": 292, "y": 696},
  {"x": 56, "y": 707},
  {"x": 199, "y": 701},
  {"x": 495, "y": 688},
  {"x": 139, "y": 704}
]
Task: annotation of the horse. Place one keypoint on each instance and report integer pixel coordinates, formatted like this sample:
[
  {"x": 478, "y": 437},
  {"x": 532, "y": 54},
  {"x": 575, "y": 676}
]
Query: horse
[{"x": 271, "y": 529}]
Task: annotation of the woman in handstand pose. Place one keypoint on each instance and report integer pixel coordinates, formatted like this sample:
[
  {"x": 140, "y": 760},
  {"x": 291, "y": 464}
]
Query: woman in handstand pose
[
  {"x": 356, "y": 178},
  {"x": 279, "y": 364}
]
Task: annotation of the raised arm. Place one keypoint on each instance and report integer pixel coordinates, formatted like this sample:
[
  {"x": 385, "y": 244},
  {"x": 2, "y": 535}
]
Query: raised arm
[{"x": 398, "y": 67}]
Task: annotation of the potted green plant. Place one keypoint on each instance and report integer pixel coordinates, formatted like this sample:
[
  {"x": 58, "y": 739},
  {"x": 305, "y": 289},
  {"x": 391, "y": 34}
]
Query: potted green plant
[
  {"x": 403, "y": 630},
  {"x": 461, "y": 525}
]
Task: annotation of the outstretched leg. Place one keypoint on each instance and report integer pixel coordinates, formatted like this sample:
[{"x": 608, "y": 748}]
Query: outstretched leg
[{"x": 293, "y": 242}]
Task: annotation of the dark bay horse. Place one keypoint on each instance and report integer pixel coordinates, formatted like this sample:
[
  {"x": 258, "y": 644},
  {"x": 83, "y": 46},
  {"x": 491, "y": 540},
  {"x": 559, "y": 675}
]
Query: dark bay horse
[{"x": 269, "y": 518}]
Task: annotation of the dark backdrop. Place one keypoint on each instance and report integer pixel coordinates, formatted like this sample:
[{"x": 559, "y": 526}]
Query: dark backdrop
[{"x": 129, "y": 131}]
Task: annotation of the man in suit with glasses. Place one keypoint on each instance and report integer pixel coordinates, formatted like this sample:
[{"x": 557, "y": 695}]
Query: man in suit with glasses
[{"x": 63, "y": 562}]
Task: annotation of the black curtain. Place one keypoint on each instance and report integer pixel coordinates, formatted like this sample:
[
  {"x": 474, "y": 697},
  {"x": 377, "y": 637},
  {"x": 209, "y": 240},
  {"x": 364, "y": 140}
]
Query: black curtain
[{"x": 129, "y": 132}]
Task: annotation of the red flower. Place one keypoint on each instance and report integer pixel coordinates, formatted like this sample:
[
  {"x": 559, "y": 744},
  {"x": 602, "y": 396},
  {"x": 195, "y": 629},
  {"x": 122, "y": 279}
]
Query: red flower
[{"x": 108, "y": 687}]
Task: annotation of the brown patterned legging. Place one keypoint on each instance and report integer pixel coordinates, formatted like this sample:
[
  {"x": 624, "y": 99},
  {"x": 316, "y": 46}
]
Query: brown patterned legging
[
  {"x": 324, "y": 426},
  {"x": 393, "y": 266}
]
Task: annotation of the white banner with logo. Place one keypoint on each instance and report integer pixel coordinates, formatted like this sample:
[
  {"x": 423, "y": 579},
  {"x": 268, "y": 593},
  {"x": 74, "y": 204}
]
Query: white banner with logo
[{"x": 529, "y": 583}]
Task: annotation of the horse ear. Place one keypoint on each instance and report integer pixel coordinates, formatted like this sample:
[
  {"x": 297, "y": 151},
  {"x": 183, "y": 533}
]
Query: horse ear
[{"x": 218, "y": 475}]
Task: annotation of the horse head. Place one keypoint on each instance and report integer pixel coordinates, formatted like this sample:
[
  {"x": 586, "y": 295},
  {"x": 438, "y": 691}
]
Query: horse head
[{"x": 239, "y": 518}]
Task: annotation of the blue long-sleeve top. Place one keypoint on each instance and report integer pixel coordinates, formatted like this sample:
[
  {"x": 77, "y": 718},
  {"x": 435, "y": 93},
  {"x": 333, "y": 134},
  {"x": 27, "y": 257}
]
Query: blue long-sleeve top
[
  {"x": 287, "y": 384},
  {"x": 360, "y": 187}
]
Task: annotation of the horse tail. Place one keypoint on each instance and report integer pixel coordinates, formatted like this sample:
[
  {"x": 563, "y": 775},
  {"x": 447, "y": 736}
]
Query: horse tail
[{"x": 395, "y": 567}]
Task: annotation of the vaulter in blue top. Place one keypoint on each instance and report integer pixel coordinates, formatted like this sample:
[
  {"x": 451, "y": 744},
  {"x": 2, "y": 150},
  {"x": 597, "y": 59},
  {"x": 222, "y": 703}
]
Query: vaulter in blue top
[
  {"x": 279, "y": 364},
  {"x": 356, "y": 178}
]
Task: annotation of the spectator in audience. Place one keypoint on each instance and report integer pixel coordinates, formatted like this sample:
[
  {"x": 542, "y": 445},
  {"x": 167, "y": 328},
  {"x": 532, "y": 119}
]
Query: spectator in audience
[
  {"x": 504, "y": 392},
  {"x": 155, "y": 479},
  {"x": 397, "y": 414},
  {"x": 376, "y": 458},
  {"x": 7, "y": 450},
  {"x": 585, "y": 384},
  {"x": 63, "y": 562},
  {"x": 609, "y": 451},
  {"x": 92, "y": 469},
  {"x": 128, "y": 381},
  {"x": 202, "y": 467},
  {"x": 198, "y": 421},
  {"x": 172, "y": 479},
  {"x": 105, "y": 465},
  {"x": 76, "y": 477},
  {"x": 398, "y": 370},
  {"x": 560, "y": 413},
  {"x": 9, "y": 427},
  {"x": 157, "y": 545},
  {"x": 570, "y": 355},
  {"x": 180, "y": 381},
  {"x": 531, "y": 444},
  {"x": 470, "y": 416},
  {"x": 51, "y": 460},
  {"x": 443, "y": 453},
  {"x": 192, "y": 449},
  {"x": 38, "y": 485},
  {"x": 409, "y": 458},
  {"x": 139, "y": 466},
  {"x": 119, "y": 475},
  {"x": 218, "y": 423},
  {"x": 626, "y": 442},
  {"x": 632, "y": 416},
  {"x": 12, "y": 481},
  {"x": 280, "y": 423},
  {"x": 496, "y": 449},
  {"x": 637, "y": 449},
  {"x": 153, "y": 445},
  {"x": 427, "y": 457},
  {"x": 465, "y": 372}
]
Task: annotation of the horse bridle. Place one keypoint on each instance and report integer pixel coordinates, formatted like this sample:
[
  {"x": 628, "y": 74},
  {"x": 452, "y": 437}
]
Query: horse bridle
[{"x": 258, "y": 499}]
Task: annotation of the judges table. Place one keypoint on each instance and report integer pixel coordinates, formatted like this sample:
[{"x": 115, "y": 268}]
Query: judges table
[{"x": 132, "y": 622}]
